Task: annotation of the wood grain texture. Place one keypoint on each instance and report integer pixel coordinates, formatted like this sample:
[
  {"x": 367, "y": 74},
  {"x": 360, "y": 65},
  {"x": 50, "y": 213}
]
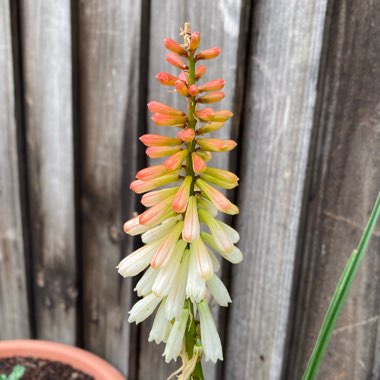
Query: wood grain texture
[
  {"x": 46, "y": 35},
  {"x": 218, "y": 23},
  {"x": 281, "y": 94},
  {"x": 14, "y": 316},
  {"x": 346, "y": 180},
  {"x": 109, "y": 40}
]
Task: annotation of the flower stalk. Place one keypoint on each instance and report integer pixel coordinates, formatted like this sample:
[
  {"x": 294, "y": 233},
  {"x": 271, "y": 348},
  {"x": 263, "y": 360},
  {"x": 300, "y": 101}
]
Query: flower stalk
[{"x": 179, "y": 255}]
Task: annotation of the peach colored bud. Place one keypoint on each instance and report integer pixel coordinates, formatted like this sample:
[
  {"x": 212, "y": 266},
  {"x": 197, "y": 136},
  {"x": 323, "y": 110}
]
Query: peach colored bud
[
  {"x": 216, "y": 145},
  {"x": 200, "y": 71},
  {"x": 217, "y": 198},
  {"x": 133, "y": 227},
  {"x": 204, "y": 263},
  {"x": 184, "y": 77},
  {"x": 174, "y": 46},
  {"x": 152, "y": 198},
  {"x": 139, "y": 186},
  {"x": 213, "y": 97},
  {"x": 162, "y": 151},
  {"x": 158, "y": 140},
  {"x": 206, "y": 156},
  {"x": 214, "y": 85},
  {"x": 175, "y": 161},
  {"x": 166, "y": 79},
  {"x": 222, "y": 115},
  {"x": 209, "y": 127},
  {"x": 176, "y": 61},
  {"x": 208, "y": 53},
  {"x": 181, "y": 88},
  {"x": 157, "y": 107},
  {"x": 205, "y": 115},
  {"x": 186, "y": 135},
  {"x": 151, "y": 216},
  {"x": 193, "y": 90},
  {"x": 182, "y": 197},
  {"x": 218, "y": 182},
  {"x": 166, "y": 248},
  {"x": 151, "y": 172},
  {"x": 191, "y": 228},
  {"x": 198, "y": 164},
  {"x": 195, "y": 40},
  {"x": 221, "y": 174},
  {"x": 169, "y": 120}
]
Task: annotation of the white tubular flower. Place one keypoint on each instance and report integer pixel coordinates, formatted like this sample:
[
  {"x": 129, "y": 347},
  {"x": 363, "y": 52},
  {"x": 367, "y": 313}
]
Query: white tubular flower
[
  {"x": 177, "y": 294},
  {"x": 196, "y": 286},
  {"x": 175, "y": 340},
  {"x": 204, "y": 263},
  {"x": 221, "y": 238},
  {"x": 160, "y": 231},
  {"x": 161, "y": 326},
  {"x": 144, "y": 308},
  {"x": 234, "y": 257},
  {"x": 231, "y": 232},
  {"x": 137, "y": 261},
  {"x": 214, "y": 260},
  {"x": 218, "y": 291},
  {"x": 144, "y": 285},
  {"x": 191, "y": 228},
  {"x": 168, "y": 273},
  {"x": 212, "y": 347}
]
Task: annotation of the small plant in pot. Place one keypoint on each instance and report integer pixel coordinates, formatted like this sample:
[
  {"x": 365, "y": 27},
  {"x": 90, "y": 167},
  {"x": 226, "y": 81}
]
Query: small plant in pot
[{"x": 38, "y": 359}]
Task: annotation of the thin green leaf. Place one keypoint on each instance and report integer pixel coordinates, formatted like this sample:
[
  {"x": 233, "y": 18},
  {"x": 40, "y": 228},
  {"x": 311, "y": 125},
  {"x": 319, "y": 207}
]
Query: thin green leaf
[
  {"x": 340, "y": 296},
  {"x": 17, "y": 373}
]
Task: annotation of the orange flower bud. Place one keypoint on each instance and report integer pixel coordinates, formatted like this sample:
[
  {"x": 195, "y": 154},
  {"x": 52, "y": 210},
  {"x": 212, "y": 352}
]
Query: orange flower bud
[
  {"x": 151, "y": 216},
  {"x": 175, "y": 161},
  {"x": 174, "y": 47},
  {"x": 169, "y": 120},
  {"x": 208, "y": 54},
  {"x": 195, "y": 40},
  {"x": 198, "y": 164},
  {"x": 139, "y": 186},
  {"x": 216, "y": 145},
  {"x": 205, "y": 115},
  {"x": 216, "y": 84},
  {"x": 176, "y": 61},
  {"x": 154, "y": 197},
  {"x": 213, "y": 97},
  {"x": 200, "y": 71},
  {"x": 151, "y": 172},
  {"x": 182, "y": 197},
  {"x": 166, "y": 79},
  {"x": 184, "y": 77},
  {"x": 181, "y": 88},
  {"x": 186, "y": 135},
  {"x": 193, "y": 90},
  {"x": 162, "y": 151},
  {"x": 157, "y": 107},
  {"x": 209, "y": 127},
  {"x": 222, "y": 115},
  {"x": 158, "y": 140}
]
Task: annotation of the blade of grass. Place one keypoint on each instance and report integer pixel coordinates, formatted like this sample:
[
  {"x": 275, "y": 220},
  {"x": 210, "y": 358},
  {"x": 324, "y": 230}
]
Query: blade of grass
[{"x": 340, "y": 296}]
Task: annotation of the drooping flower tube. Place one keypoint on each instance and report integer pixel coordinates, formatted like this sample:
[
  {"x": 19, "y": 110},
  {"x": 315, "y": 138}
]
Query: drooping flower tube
[{"x": 179, "y": 228}]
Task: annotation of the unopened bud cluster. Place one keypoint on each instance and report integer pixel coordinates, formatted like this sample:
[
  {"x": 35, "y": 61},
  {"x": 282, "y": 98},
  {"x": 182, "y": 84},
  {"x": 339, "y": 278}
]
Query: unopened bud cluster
[{"x": 180, "y": 232}]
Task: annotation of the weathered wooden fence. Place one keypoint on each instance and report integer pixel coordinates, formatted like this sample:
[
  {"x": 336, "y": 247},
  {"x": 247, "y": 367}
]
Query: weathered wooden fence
[{"x": 303, "y": 79}]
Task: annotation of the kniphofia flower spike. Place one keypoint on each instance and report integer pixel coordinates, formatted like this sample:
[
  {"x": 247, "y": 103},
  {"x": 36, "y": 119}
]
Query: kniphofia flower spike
[{"x": 180, "y": 231}]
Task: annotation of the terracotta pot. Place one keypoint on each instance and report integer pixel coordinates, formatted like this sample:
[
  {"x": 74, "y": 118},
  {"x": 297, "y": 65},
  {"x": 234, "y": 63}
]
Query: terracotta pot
[{"x": 76, "y": 357}]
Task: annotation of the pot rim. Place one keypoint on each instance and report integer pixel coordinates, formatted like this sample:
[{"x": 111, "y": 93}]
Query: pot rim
[{"x": 76, "y": 357}]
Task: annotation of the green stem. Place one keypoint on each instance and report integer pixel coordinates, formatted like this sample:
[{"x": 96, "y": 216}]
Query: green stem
[
  {"x": 340, "y": 296},
  {"x": 191, "y": 335}
]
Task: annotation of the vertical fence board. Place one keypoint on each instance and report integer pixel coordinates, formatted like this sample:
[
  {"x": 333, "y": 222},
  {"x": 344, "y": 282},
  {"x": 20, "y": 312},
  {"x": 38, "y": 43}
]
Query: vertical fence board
[
  {"x": 14, "y": 318},
  {"x": 46, "y": 41},
  {"x": 284, "y": 62},
  {"x": 109, "y": 38},
  {"x": 218, "y": 23},
  {"x": 346, "y": 180}
]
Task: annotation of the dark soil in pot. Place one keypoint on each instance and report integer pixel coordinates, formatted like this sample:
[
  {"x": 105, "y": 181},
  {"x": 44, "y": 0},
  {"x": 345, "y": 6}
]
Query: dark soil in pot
[{"x": 41, "y": 369}]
